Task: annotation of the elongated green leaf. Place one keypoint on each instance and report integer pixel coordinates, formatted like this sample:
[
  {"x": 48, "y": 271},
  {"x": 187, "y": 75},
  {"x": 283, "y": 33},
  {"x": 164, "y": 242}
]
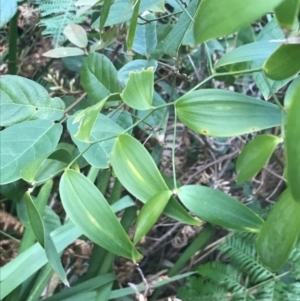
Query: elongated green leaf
[
  {"x": 23, "y": 143},
  {"x": 254, "y": 156},
  {"x": 138, "y": 92},
  {"x": 104, "y": 13},
  {"x": 223, "y": 113},
  {"x": 145, "y": 39},
  {"x": 292, "y": 92},
  {"x": 135, "y": 168},
  {"x": 22, "y": 99},
  {"x": 135, "y": 66},
  {"x": 107, "y": 38},
  {"x": 150, "y": 213},
  {"x": 7, "y": 11},
  {"x": 87, "y": 120},
  {"x": 216, "y": 18},
  {"x": 284, "y": 62},
  {"x": 133, "y": 24},
  {"x": 76, "y": 35},
  {"x": 44, "y": 238},
  {"x": 286, "y": 13},
  {"x": 292, "y": 142},
  {"x": 270, "y": 31},
  {"x": 89, "y": 211},
  {"x": 249, "y": 52},
  {"x": 279, "y": 233},
  {"x": 175, "y": 37},
  {"x": 219, "y": 208},
  {"x": 99, "y": 76},
  {"x": 103, "y": 131},
  {"x": 64, "y": 52}
]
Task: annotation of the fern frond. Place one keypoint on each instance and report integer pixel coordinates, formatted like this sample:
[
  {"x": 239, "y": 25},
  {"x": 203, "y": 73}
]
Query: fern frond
[
  {"x": 240, "y": 249},
  {"x": 272, "y": 291},
  {"x": 56, "y": 15},
  {"x": 293, "y": 292}
]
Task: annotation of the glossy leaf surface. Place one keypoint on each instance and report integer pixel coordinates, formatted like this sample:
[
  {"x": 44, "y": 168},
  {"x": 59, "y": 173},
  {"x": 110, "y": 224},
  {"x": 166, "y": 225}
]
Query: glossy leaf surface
[
  {"x": 150, "y": 213},
  {"x": 284, "y": 62},
  {"x": 286, "y": 13},
  {"x": 254, "y": 156},
  {"x": 279, "y": 233},
  {"x": 138, "y": 92},
  {"x": 223, "y": 113},
  {"x": 216, "y": 18},
  {"x": 99, "y": 76},
  {"x": 76, "y": 35},
  {"x": 25, "y": 142},
  {"x": 7, "y": 11},
  {"x": 292, "y": 142},
  {"x": 23, "y": 99},
  {"x": 88, "y": 209},
  {"x": 218, "y": 208}
]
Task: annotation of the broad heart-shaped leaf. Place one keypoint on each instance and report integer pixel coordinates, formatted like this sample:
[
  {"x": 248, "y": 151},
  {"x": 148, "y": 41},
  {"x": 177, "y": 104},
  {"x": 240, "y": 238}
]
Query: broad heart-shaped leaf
[
  {"x": 216, "y": 18},
  {"x": 104, "y": 129},
  {"x": 99, "y": 76},
  {"x": 23, "y": 143},
  {"x": 222, "y": 113},
  {"x": 279, "y": 233},
  {"x": 270, "y": 31},
  {"x": 249, "y": 52},
  {"x": 44, "y": 238},
  {"x": 150, "y": 213},
  {"x": 22, "y": 99},
  {"x": 286, "y": 13},
  {"x": 138, "y": 92},
  {"x": 175, "y": 37},
  {"x": 76, "y": 35},
  {"x": 135, "y": 66},
  {"x": 64, "y": 52},
  {"x": 90, "y": 212},
  {"x": 254, "y": 156},
  {"x": 292, "y": 142},
  {"x": 284, "y": 62},
  {"x": 145, "y": 39},
  {"x": 219, "y": 208},
  {"x": 7, "y": 11},
  {"x": 137, "y": 172}
]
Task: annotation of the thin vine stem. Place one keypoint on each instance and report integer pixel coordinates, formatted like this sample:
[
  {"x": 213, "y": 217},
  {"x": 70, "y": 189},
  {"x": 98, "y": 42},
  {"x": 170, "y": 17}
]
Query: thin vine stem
[{"x": 173, "y": 149}]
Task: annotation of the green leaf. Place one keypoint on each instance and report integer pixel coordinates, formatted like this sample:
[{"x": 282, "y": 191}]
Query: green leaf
[
  {"x": 284, "y": 62},
  {"x": 88, "y": 209},
  {"x": 219, "y": 208},
  {"x": 135, "y": 66},
  {"x": 107, "y": 38},
  {"x": 254, "y": 156},
  {"x": 222, "y": 113},
  {"x": 291, "y": 93},
  {"x": 254, "y": 51},
  {"x": 44, "y": 238},
  {"x": 133, "y": 24},
  {"x": 174, "y": 39},
  {"x": 104, "y": 14},
  {"x": 138, "y": 173},
  {"x": 7, "y": 11},
  {"x": 145, "y": 39},
  {"x": 286, "y": 13},
  {"x": 216, "y": 18},
  {"x": 270, "y": 31},
  {"x": 104, "y": 129},
  {"x": 23, "y": 143},
  {"x": 135, "y": 168},
  {"x": 138, "y": 92},
  {"x": 292, "y": 142},
  {"x": 99, "y": 76},
  {"x": 279, "y": 233},
  {"x": 63, "y": 52},
  {"x": 22, "y": 99},
  {"x": 76, "y": 35},
  {"x": 150, "y": 213}
]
